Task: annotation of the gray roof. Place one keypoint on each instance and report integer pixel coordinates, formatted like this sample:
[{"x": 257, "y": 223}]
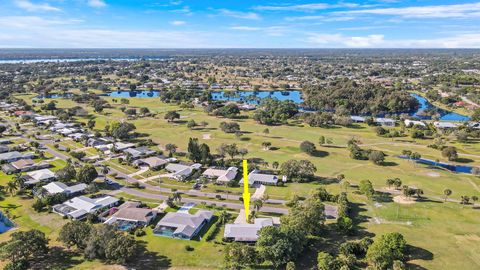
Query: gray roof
[
  {"x": 246, "y": 232},
  {"x": 256, "y": 176},
  {"x": 184, "y": 223}
]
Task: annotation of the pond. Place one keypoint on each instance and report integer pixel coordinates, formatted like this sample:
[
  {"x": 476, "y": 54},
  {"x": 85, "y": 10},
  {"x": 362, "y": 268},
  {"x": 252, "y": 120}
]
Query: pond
[
  {"x": 132, "y": 94},
  {"x": 450, "y": 167},
  {"x": 5, "y": 223},
  {"x": 254, "y": 98},
  {"x": 444, "y": 114}
]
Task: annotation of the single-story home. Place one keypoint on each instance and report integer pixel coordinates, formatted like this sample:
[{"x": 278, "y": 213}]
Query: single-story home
[
  {"x": 221, "y": 175},
  {"x": 474, "y": 125},
  {"x": 4, "y": 149},
  {"x": 24, "y": 165},
  {"x": 357, "y": 119},
  {"x": 246, "y": 232},
  {"x": 331, "y": 211},
  {"x": 77, "y": 208},
  {"x": 385, "y": 122},
  {"x": 445, "y": 125},
  {"x": 130, "y": 215},
  {"x": 151, "y": 162},
  {"x": 257, "y": 178},
  {"x": 59, "y": 187},
  {"x": 181, "y": 171},
  {"x": 182, "y": 225},
  {"x": 120, "y": 146},
  {"x": 5, "y": 141},
  {"x": 412, "y": 123},
  {"x": 139, "y": 152},
  {"x": 43, "y": 175},
  {"x": 15, "y": 155},
  {"x": 92, "y": 142}
]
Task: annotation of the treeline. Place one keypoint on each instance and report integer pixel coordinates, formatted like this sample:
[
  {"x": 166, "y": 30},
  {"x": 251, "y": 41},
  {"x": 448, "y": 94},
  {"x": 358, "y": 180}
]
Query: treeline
[{"x": 347, "y": 97}]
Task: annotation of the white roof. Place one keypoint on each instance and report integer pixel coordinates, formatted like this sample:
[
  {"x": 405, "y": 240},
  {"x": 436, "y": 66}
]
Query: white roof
[
  {"x": 413, "y": 122},
  {"x": 256, "y": 176},
  {"x": 247, "y": 232},
  {"x": 89, "y": 205},
  {"x": 40, "y": 175},
  {"x": 445, "y": 125},
  {"x": 223, "y": 175},
  {"x": 59, "y": 187}
]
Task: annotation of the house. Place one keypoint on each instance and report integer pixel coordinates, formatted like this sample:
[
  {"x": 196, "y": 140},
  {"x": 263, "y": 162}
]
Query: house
[
  {"x": 474, "y": 125},
  {"x": 181, "y": 171},
  {"x": 138, "y": 152},
  {"x": 119, "y": 146},
  {"x": 357, "y": 119},
  {"x": 411, "y": 123},
  {"x": 14, "y": 156},
  {"x": 77, "y": 208},
  {"x": 331, "y": 211},
  {"x": 92, "y": 142},
  {"x": 385, "y": 122},
  {"x": 182, "y": 225},
  {"x": 445, "y": 125},
  {"x": 4, "y": 149},
  {"x": 5, "y": 141},
  {"x": 221, "y": 175},
  {"x": 34, "y": 177},
  {"x": 59, "y": 187},
  {"x": 129, "y": 215},
  {"x": 24, "y": 165},
  {"x": 151, "y": 162},
  {"x": 246, "y": 232},
  {"x": 257, "y": 178}
]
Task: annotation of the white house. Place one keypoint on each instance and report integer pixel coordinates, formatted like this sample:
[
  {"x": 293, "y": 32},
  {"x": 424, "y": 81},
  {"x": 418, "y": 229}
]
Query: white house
[
  {"x": 257, "y": 178},
  {"x": 59, "y": 187},
  {"x": 77, "y": 208},
  {"x": 412, "y": 123},
  {"x": 34, "y": 177},
  {"x": 222, "y": 176},
  {"x": 181, "y": 171}
]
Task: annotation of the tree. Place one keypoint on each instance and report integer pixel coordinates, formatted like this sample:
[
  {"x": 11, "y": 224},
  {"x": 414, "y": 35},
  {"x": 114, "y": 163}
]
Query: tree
[
  {"x": 345, "y": 185},
  {"x": 243, "y": 152},
  {"x": 308, "y": 147},
  {"x": 385, "y": 250},
  {"x": 191, "y": 124},
  {"x": 474, "y": 199},
  {"x": 266, "y": 145},
  {"x": 105, "y": 171},
  {"x": 171, "y": 148},
  {"x": 87, "y": 174},
  {"x": 345, "y": 224},
  {"x": 231, "y": 150},
  {"x": 120, "y": 249},
  {"x": 91, "y": 124},
  {"x": 177, "y": 196},
  {"x": 325, "y": 261},
  {"x": 239, "y": 256},
  {"x": 366, "y": 188},
  {"x": 390, "y": 182},
  {"x": 121, "y": 130},
  {"x": 170, "y": 116},
  {"x": 377, "y": 157},
  {"x": 11, "y": 188},
  {"x": 450, "y": 152},
  {"x": 22, "y": 247},
  {"x": 75, "y": 234},
  {"x": 229, "y": 127},
  {"x": 298, "y": 170},
  {"x": 67, "y": 173},
  {"x": 279, "y": 245},
  {"x": 447, "y": 192},
  {"x": 321, "y": 140},
  {"x": 397, "y": 183},
  {"x": 290, "y": 266},
  {"x": 144, "y": 111},
  {"x": 476, "y": 115},
  {"x": 275, "y": 165}
]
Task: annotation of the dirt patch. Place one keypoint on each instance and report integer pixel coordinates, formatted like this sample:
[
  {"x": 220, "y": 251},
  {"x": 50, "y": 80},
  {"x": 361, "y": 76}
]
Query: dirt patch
[
  {"x": 206, "y": 136},
  {"x": 433, "y": 174},
  {"x": 404, "y": 200}
]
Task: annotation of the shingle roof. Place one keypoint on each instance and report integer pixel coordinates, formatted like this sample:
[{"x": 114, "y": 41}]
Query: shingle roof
[{"x": 185, "y": 224}]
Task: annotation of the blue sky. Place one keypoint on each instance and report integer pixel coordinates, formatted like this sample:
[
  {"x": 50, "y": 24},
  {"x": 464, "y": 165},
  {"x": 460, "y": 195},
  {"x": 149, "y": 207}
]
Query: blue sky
[{"x": 239, "y": 24}]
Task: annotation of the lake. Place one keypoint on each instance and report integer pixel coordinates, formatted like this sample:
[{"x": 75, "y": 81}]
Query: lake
[
  {"x": 450, "y": 167},
  {"x": 254, "y": 98}
]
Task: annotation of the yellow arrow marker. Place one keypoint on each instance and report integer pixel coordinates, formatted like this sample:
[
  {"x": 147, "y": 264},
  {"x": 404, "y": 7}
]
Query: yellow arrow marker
[{"x": 246, "y": 194}]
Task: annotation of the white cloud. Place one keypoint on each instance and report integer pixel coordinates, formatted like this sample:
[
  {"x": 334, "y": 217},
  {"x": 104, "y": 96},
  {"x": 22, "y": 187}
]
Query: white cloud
[
  {"x": 32, "y": 7},
  {"x": 238, "y": 14},
  {"x": 438, "y": 11},
  {"x": 469, "y": 40},
  {"x": 310, "y": 7},
  {"x": 178, "y": 22},
  {"x": 339, "y": 40},
  {"x": 245, "y": 28},
  {"x": 32, "y": 22},
  {"x": 97, "y": 3},
  {"x": 270, "y": 30}
]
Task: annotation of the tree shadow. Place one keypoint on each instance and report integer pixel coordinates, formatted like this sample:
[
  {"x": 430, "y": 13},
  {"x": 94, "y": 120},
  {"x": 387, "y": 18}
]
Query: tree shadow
[
  {"x": 148, "y": 260},
  {"x": 319, "y": 153},
  {"x": 389, "y": 164},
  {"x": 58, "y": 258},
  {"x": 418, "y": 253},
  {"x": 464, "y": 160}
]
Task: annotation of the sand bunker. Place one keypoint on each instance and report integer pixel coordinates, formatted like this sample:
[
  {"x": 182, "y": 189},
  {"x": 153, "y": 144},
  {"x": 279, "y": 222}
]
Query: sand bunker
[
  {"x": 404, "y": 200},
  {"x": 206, "y": 136}
]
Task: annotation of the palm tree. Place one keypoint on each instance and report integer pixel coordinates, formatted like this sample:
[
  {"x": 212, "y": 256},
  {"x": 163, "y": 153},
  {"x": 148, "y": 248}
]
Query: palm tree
[
  {"x": 257, "y": 204},
  {"x": 275, "y": 165},
  {"x": 474, "y": 199},
  {"x": 11, "y": 187},
  {"x": 105, "y": 171},
  {"x": 223, "y": 217},
  {"x": 177, "y": 197},
  {"x": 171, "y": 148},
  {"x": 397, "y": 183},
  {"x": 266, "y": 145},
  {"x": 390, "y": 182},
  {"x": 447, "y": 192},
  {"x": 419, "y": 192},
  {"x": 18, "y": 180}
]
